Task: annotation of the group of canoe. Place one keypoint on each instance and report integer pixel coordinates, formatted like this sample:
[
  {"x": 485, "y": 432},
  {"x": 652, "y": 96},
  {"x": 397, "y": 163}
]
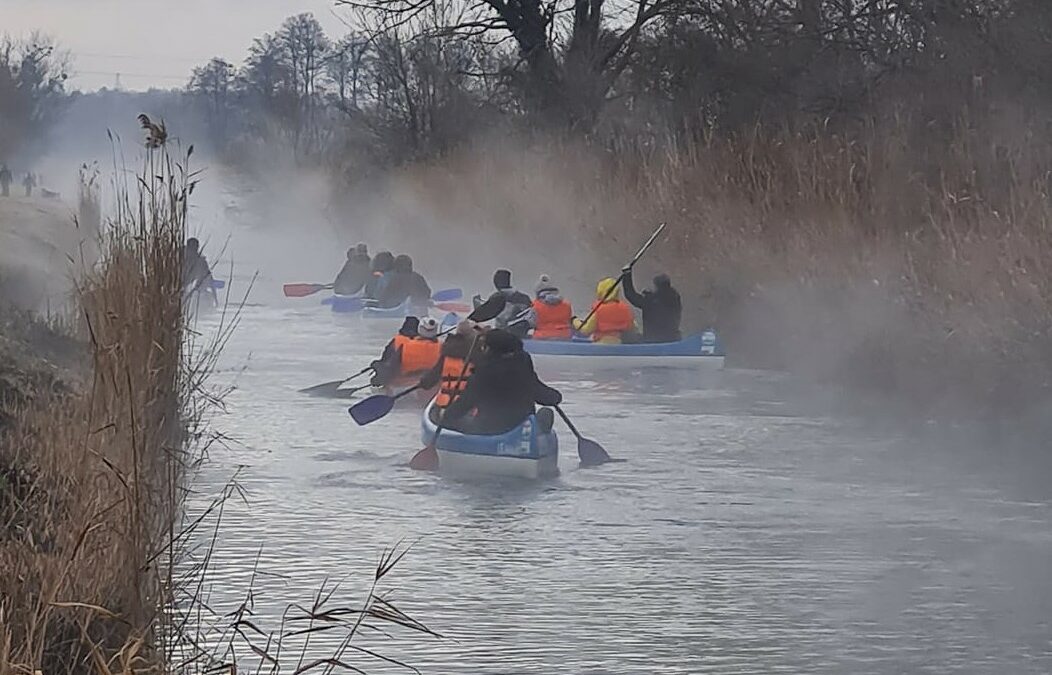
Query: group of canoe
[{"x": 479, "y": 436}]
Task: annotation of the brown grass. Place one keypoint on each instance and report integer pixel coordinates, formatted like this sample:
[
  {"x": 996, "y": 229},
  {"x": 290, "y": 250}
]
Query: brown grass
[
  {"x": 103, "y": 570},
  {"x": 96, "y": 495}
]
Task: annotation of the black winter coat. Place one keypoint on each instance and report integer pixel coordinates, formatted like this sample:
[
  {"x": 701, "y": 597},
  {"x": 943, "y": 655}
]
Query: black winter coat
[
  {"x": 662, "y": 311},
  {"x": 504, "y": 389}
]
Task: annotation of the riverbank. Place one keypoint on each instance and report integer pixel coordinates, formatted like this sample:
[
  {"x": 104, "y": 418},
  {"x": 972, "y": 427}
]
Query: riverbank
[{"x": 93, "y": 448}]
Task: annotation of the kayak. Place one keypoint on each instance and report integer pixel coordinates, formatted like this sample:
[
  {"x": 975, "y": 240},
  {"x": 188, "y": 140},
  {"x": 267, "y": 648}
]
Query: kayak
[
  {"x": 400, "y": 312},
  {"x": 445, "y": 322},
  {"x": 699, "y": 348},
  {"x": 523, "y": 452},
  {"x": 344, "y": 303}
]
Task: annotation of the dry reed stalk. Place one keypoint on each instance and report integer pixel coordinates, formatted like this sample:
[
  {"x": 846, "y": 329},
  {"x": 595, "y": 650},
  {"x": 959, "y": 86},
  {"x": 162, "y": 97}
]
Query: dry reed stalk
[
  {"x": 100, "y": 563},
  {"x": 900, "y": 253},
  {"x": 87, "y": 551}
]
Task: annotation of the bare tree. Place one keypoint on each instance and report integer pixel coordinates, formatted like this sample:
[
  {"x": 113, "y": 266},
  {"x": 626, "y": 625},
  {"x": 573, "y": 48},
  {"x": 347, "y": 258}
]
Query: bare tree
[
  {"x": 306, "y": 48},
  {"x": 214, "y": 85},
  {"x": 574, "y": 50},
  {"x": 345, "y": 65},
  {"x": 33, "y": 74}
]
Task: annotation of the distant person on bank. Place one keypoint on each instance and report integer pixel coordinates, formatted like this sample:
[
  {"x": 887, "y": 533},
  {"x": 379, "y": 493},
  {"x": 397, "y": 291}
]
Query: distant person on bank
[{"x": 5, "y": 180}]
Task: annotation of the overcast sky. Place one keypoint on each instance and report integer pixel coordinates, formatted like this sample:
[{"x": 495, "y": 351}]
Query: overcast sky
[{"x": 153, "y": 43}]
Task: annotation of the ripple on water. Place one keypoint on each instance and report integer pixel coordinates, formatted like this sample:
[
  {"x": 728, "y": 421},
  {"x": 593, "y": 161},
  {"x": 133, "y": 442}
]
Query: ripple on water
[{"x": 743, "y": 535}]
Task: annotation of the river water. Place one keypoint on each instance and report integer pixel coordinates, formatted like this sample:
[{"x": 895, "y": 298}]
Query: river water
[{"x": 748, "y": 532}]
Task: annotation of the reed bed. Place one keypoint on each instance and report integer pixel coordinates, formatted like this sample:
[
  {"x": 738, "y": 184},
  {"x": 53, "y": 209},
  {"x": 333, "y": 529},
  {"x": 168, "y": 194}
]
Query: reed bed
[
  {"x": 104, "y": 569},
  {"x": 900, "y": 252}
]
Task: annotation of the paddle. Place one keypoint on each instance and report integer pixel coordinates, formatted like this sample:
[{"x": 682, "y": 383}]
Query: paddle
[
  {"x": 375, "y": 407},
  {"x": 487, "y": 311},
  {"x": 349, "y": 393},
  {"x": 629, "y": 266},
  {"x": 455, "y": 307},
  {"x": 590, "y": 452},
  {"x": 447, "y": 295},
  {"x": 303, "y": 290},
  {"x": 427, "y": 459},
  {"x": 330, "y": 388}
]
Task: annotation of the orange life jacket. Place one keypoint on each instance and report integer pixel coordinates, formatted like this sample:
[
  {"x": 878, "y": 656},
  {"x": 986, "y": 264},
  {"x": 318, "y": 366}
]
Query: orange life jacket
[
  {"x": 418, "y": 354},
  {"x": 451, "y": 384},
  {"x": 553, "y": 321},
  {"x": 612, "y": 318}
]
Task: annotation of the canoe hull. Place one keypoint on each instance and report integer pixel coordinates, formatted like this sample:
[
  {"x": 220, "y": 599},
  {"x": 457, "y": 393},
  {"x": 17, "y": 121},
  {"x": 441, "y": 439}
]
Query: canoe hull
[
  {"x": 343, "y": 304},
  {"x": 694, "y": 350},
  {"x": 523, "y": 452}
]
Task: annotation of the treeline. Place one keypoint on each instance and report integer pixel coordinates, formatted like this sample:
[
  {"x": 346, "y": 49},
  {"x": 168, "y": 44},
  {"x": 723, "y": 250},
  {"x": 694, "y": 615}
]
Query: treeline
[
  {"x": 33, "y": 75},
  {"x": 421, "y": 76}
]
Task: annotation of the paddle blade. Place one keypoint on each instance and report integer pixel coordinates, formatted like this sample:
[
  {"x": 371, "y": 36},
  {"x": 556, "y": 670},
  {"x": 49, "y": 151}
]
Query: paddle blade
[
  {"x": 218, "y": 284},
  {"x": 302, "y": 290},
  {"x": 323, "y": 389},
  {"x": 371, "y": 409},
  {"x": 425, "y": 460},
  {"x": 350, "y": 392},
  {"x": 591, "y": 453},
  {"x": 456, "y": 307},
  {"x": 488, "y": 310},
  {"x": 448, "y": 295}
]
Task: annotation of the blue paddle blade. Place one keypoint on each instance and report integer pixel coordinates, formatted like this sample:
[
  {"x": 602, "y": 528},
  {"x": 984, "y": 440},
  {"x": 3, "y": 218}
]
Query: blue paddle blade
[
  {"x": 591, "y": 453},
  {"x": 371, "y": 409},
  {"x": 218, "y": 283},
  {"x": 448, "y": 295}
]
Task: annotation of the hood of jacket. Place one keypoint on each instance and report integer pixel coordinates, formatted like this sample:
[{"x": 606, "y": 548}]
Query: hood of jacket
[{"x": 603, "y": 288}]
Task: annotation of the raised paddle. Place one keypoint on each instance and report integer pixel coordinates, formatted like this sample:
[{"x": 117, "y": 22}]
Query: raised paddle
[
  {"x": 590, "y": 452},
  {"x": 370, "y": 409},
  {"x": 330, "y": 388},
  {"x": 629, "y": 266},
  {"x": 303, "y": 290},
  {"x": 427, "y": 458}
]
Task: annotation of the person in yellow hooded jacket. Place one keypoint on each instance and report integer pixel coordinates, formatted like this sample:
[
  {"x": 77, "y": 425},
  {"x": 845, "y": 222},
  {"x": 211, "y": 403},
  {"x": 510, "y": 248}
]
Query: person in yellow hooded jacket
[{"x": 612, "y": 320}]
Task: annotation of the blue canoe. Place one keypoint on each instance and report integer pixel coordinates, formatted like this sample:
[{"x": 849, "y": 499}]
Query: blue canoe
[
  {"x": 400, "y": 312},
  {"x": 702, "y": 347},
  {"x": 344, "y": 303},
  {"x": 523, "y": 452}
]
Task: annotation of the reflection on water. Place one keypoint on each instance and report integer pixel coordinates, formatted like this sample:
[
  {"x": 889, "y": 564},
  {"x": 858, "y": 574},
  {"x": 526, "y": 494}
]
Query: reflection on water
[{"x": 745, "y": 534}]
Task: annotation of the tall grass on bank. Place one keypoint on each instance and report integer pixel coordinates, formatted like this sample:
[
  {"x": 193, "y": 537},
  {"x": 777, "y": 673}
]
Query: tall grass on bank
[
  {"x": 899, "y": 252},
  {"x": 103, "y": 569},
  {"x": 86, "y": 546}
]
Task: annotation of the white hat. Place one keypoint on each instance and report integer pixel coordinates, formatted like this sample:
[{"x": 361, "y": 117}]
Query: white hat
[{"x": 428, "y": 327}]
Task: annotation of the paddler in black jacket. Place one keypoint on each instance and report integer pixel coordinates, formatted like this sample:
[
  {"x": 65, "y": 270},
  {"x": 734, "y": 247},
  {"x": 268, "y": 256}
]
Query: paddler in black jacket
[
  {"x": 503, "y": 389},
  {"x": 662, "y": 308},
  {"x": 518, "y": 316}
]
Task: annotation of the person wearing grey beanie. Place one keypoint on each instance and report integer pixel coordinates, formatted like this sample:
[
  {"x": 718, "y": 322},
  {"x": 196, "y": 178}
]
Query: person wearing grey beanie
[{"x": 554, "y": 315}]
